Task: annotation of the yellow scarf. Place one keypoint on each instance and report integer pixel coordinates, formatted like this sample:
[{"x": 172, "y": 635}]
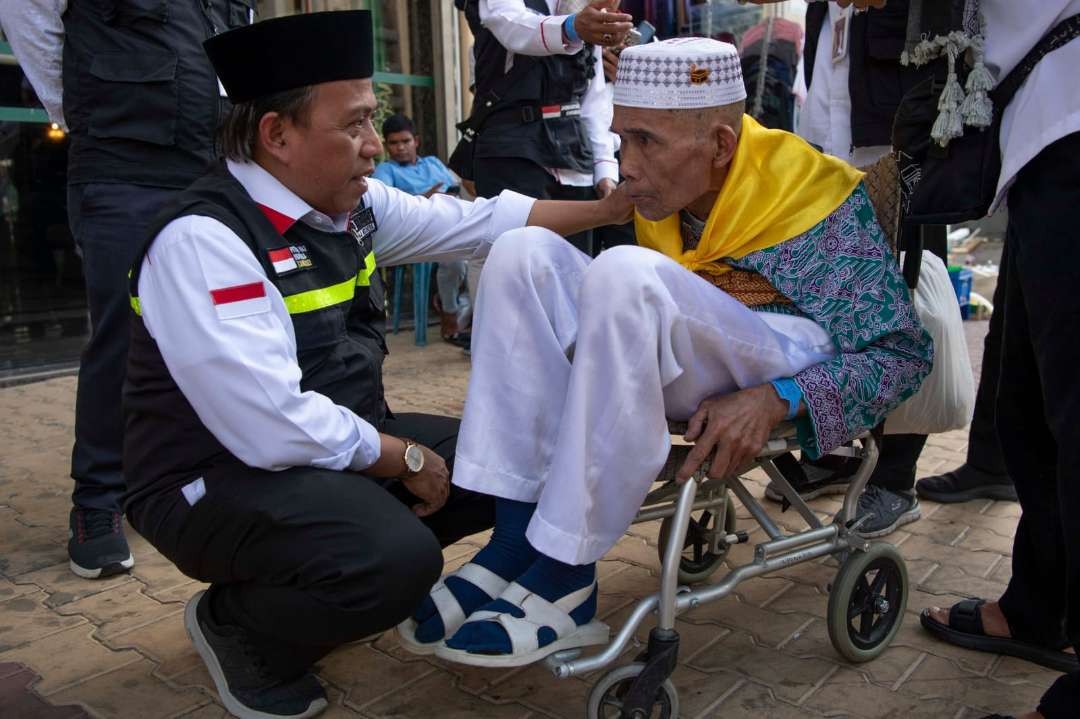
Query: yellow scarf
[{"x": 777, "y": 187}]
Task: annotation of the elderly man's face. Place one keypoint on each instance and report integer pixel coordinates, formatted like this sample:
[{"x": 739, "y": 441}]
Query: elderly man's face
[
  {"x": 667, "y": 159},
  {"x": 335, "y": 149}
]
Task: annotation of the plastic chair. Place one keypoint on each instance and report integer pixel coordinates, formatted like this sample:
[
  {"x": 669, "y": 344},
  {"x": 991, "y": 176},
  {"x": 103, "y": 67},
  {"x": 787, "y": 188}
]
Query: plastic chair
[{"x": 421, "y": 291}]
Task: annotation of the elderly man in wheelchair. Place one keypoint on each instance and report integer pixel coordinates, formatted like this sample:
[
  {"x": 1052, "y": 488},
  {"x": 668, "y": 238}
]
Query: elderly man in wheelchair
[{"x": 763, "y": 291}]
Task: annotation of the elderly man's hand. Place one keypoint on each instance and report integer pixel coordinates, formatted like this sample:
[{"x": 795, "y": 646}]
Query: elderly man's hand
[
  {"x": 733, "y": 427},
  {"x": 602, "y": 24},
  {"x": 605, "y": 187},
  {"x": 616, "y": 207},
  {"x": 431, "y": 485}
]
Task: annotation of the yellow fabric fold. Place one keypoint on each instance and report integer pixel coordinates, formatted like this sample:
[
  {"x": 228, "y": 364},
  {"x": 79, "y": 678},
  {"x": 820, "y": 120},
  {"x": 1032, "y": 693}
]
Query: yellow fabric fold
[{"x": 777, "y": 187}]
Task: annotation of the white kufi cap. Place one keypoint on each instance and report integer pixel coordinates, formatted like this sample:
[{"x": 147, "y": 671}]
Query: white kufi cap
[{"x": 681, "y": 73}]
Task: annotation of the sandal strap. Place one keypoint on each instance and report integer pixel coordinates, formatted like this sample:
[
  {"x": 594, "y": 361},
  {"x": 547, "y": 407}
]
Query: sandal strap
[
  {"x": 965, "y": 616},
  {"x": 539, "y": 612},
  {"x": 448, "y": 606}
]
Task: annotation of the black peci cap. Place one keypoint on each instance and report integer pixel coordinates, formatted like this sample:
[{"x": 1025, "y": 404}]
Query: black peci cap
[{"x": 294, "y": 51}]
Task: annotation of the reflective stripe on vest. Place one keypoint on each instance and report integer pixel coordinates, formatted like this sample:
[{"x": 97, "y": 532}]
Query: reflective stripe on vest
[{"x": 312, "y": 300}]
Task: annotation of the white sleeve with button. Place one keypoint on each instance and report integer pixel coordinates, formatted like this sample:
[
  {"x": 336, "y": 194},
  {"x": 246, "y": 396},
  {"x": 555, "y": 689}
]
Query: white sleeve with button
[
  {"x": 597, "y": 109},
  {"x": 522, "y": 31},
  {"x": 238, "y": 369},
  {"x": 440, "y": 228}
]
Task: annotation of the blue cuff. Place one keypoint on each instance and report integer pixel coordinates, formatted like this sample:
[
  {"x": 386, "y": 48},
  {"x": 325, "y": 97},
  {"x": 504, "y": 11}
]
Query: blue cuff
[
  {"x": 790, "y": 392},
  {"x": 568, "y": 28}
]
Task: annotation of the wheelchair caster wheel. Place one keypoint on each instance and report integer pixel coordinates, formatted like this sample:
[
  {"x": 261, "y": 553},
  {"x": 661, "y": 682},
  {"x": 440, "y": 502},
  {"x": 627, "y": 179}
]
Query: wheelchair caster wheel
[
  {"x": 867, "y": 601},
  {"x": 606, "y": 698},
  {"x": 698, "y": 562}
]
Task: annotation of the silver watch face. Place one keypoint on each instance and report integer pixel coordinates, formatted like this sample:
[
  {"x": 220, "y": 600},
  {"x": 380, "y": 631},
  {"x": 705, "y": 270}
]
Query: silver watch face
[{"x": 414, "y": 458}]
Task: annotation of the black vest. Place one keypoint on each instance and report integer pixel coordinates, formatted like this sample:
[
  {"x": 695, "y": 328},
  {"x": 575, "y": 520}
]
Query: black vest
[
  {"x": 140, "y": 97},
  {"x": 334, "y": 298},
  {"x": 507, "y": 114},
  {"x": 876, "y": 79}
]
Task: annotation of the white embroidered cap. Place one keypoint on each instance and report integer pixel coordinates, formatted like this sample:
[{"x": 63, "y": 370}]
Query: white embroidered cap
[{"x": 681, "y": 73}]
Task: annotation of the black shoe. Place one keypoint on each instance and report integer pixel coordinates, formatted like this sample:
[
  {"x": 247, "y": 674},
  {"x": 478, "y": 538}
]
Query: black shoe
[
  {"x": 887, "y": 511},
  {"x": 246, "y": 687},
  {"x": 964, "y": 484},
  {"x": 812, "y": 483},
  {"x": 460, "y": 339},
  {"x": 96, "y": 544}
]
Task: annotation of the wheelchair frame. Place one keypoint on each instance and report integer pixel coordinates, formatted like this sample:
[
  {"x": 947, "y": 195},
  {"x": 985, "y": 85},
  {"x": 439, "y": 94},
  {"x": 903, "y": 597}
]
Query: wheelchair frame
[{"x": 635, "y": 689}]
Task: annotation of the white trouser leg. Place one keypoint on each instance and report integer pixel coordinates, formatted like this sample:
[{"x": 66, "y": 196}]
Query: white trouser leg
[
  {"x": 524, "y": 322},
  {"x": 587, "y": 438}
]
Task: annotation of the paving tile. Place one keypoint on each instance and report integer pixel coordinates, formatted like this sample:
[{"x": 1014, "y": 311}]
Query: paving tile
[
  {"x": 25, "y": 619},
  {"x": 751, "y": 700},
  {"x": 954, "y": 580},
  {"x": 18, "y": 700},
  {"x": 891, "y": 666},
  {"x": 120, "y": 609},
  {"x": 789, "y": 677},
  {"x": 10, "y": 589},
  {"x": 978, "y": 539},
  {"x": 974, "y": 563},
  {"x": 157, "y": 574},
  {"x": 768, "y": 627},
  {"x": 164, "y": 641},
  {"x": 68, "y": 657},
  {"x": 366, "y": 674},
  {"x": 938, "y": 678},
  {"x": 438, "y": 690},
  {"x": 849, "y": 691},
  {"x": 28, "y": 548},
  {"x": 132, "y": 691},
  {"x": 64, "y": 586},
  {"x": 913, "y": 636}
]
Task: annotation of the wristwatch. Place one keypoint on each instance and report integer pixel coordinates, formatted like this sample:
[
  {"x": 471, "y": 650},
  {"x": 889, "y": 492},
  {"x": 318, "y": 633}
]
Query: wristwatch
[{"x": 414, "y": 459}]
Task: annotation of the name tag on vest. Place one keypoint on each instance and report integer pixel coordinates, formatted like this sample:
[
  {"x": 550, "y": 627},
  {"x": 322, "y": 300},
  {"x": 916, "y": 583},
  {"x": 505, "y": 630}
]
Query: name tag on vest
[{"x": 362, "y": 224}]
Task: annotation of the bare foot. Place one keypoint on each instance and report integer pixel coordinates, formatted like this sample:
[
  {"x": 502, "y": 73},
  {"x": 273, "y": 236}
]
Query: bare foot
[{"x": 994, "y": 624}]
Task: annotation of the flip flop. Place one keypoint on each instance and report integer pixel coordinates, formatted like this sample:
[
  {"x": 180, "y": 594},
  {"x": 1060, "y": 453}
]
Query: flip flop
[
  {"x": 965, "y": 629},
  {"x": 448, "y": 607},
  {"x": 537, "y": 614}
]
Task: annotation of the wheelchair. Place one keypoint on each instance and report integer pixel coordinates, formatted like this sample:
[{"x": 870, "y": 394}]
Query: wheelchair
[{"x": 867, "y": 598}]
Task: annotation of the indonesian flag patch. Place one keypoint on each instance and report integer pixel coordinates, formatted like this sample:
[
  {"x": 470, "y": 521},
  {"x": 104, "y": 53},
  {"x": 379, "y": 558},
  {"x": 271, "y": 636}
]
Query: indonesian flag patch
[
  {"x": 290, "y": 259},
  {"x": 240, "y": 300}
]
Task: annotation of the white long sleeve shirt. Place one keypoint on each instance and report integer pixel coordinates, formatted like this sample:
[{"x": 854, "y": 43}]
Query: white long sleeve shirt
[
  {"x": 236, "y": 363},
  {"x": 524, "y": 32},
  {"x": 1046, "y": 108},
  {"x": 35, "y": 29}
]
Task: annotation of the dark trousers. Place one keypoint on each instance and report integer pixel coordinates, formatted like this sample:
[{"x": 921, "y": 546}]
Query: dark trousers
[
  {"x": 984, "y": 447},
  {"x": 495, "y": 174},
  {"x": 1038, "y": 407},
  {"x": 309, "y": 559},
  {"x": 108, "y": 222}
]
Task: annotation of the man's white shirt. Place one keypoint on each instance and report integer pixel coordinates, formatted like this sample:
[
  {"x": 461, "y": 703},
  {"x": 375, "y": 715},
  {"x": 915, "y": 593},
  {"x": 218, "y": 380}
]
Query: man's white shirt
[
  {"x": 239, "y": 370},
  {"x": 524, "y": 32}
]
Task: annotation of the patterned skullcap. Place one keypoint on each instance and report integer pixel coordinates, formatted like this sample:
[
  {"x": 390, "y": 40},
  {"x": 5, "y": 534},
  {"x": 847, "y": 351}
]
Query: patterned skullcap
[{"x": 681, "y": 73}]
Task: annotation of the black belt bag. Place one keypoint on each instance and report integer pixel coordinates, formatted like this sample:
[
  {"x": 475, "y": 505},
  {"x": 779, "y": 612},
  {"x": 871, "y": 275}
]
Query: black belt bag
[{"x": 944, "y": 185}]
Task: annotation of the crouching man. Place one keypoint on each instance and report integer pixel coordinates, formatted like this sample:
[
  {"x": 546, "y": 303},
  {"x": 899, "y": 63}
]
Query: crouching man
[
  {"x": 764, "y": 291},
  {"x": 259, "y": 451}
]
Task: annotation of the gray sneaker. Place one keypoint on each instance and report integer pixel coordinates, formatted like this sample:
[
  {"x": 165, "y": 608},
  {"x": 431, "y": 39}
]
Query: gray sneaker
[
  {"x": 246, "y": 688},
  {"x": 887, "y": 511}
]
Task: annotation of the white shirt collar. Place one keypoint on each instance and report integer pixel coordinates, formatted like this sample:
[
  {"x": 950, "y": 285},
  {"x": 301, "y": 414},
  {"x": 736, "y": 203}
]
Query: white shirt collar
[{"x": 268, "y": 191}]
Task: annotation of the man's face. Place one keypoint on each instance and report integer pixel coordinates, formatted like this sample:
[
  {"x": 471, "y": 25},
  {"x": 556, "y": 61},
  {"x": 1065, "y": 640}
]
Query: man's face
[
  {"x": 666, "y": 161},
  {"x": 402, "y": 147},
  {"x": 334, "y": 151}
]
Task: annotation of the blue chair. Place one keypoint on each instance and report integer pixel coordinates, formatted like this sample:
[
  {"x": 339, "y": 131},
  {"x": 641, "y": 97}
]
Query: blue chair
[{"x": 421, "y": 276}]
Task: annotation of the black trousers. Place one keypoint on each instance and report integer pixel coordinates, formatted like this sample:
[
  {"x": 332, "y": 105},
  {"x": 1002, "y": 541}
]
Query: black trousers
[
  {"x": 309, "y": 559},
  {"x": 495, "y": 174},
  {"x": 108, "y": 222},
  {"x": 1038, "y": 407}
]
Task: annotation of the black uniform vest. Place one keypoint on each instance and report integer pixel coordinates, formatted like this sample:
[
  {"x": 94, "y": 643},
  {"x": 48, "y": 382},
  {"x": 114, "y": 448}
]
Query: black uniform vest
[
  {"x": 335, "y": 301},
  {"x": 141, "y": 99},
  {"x": 507, "y": 114}
]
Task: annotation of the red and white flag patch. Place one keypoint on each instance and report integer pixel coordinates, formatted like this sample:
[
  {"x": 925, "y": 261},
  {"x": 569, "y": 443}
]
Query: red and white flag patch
[
  {"x": 282, "y": 260},
  {"x": 240, "y": 300}
]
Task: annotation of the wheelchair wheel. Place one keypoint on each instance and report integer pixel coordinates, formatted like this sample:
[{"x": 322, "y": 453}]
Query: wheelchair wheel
[
  {"x": 606, "y": 698},
  {"x": 867, "y": 601},
  {"x": 698, "y": 562}
]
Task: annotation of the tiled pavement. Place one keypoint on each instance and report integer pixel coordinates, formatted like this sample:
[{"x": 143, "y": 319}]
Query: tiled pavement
[{"x": 117, "y": 647}]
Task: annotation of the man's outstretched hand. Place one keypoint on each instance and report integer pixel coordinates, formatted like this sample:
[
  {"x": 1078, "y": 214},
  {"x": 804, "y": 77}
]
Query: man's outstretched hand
[
  {"x": 601, "y": 23},
  {"x": 733, "y": 428}
]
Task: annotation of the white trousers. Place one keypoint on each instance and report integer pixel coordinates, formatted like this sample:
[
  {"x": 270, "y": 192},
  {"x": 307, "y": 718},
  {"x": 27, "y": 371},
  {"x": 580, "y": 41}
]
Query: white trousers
[{"x": 575, "y": 367}]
